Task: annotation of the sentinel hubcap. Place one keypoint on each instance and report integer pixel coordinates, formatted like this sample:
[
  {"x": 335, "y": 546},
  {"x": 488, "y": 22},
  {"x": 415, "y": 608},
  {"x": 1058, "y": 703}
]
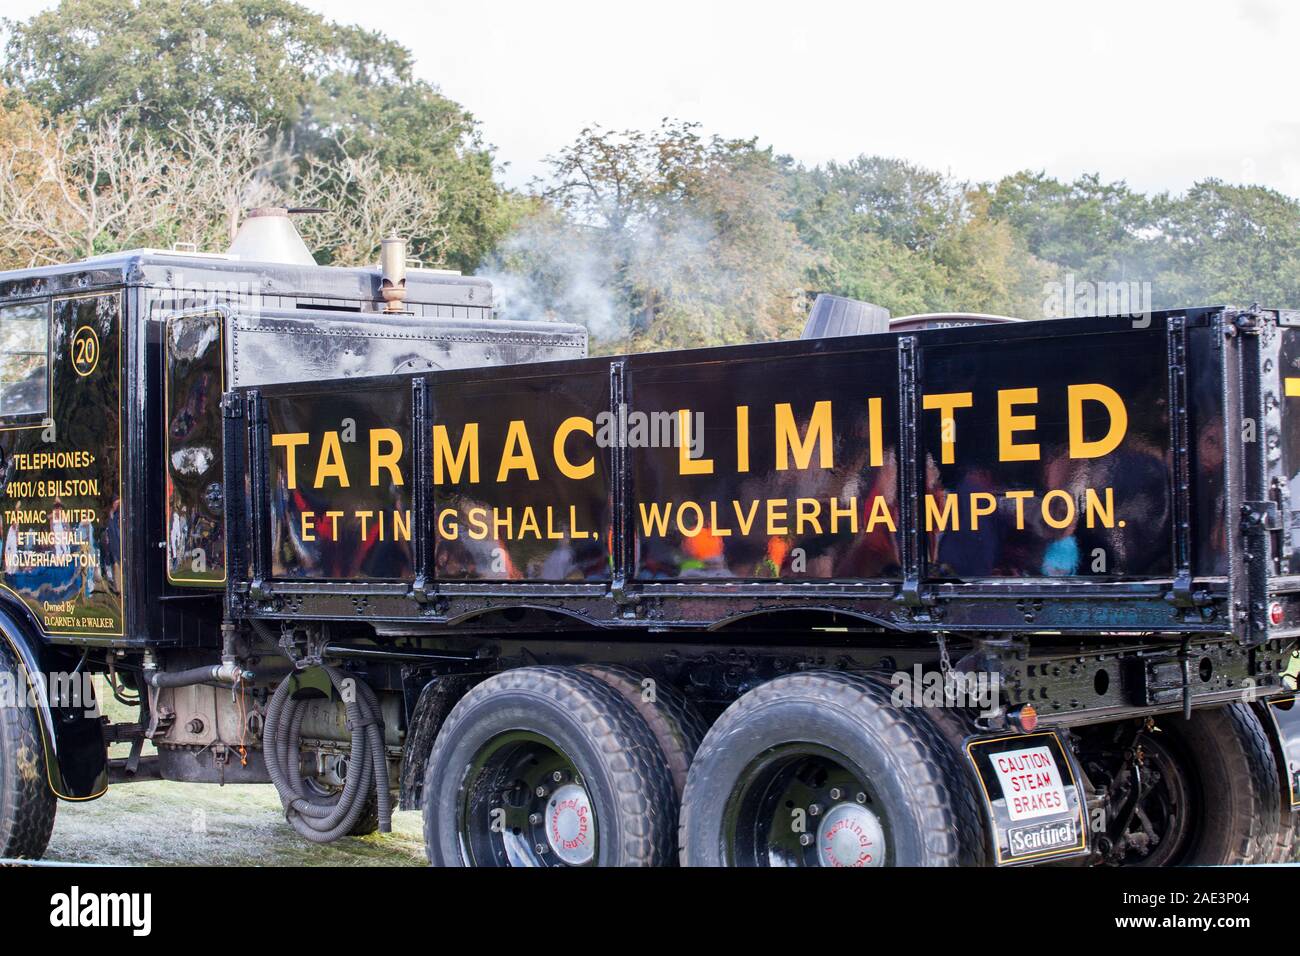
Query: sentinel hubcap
[
  {"x": 850, "y": 836},
  {"x": 804, "y": 804},
  {"x": 569, "y": 825},
  {"x": 524, "y": 803}
]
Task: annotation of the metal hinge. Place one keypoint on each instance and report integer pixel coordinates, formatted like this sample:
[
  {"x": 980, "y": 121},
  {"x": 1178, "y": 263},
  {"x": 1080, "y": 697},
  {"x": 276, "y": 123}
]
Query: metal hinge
[
  {"x": 1248, "y": 321},
  {"x": 1261, "y": 514}
]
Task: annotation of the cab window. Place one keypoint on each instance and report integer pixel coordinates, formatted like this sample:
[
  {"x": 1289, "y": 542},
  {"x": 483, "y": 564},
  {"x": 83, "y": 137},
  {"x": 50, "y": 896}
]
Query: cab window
[{"x": 24, "y": 359}]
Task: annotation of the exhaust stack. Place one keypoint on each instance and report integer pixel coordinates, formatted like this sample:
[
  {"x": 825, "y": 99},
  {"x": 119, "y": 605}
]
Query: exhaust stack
[
  {"x": 392, "y": 270},
  {"x": 268, "y": 235}
]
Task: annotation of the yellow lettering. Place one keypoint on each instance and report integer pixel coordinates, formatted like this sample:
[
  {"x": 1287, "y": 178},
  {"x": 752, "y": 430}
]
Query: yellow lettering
[
  {"x": 387, "y": 459},
  {"x": 568, "y": 427},
  {"x": 1114, "y": 405},
  {"x": 290, "y": 441},
  {"x": 747, "y": 518},
  {"x": 950, "y": 513},
  {"x": 1096, "y": 511},
  {"x": 692, "y": 530},
  {"x": 788, "y": 439},
  {"x": 1058, "y": 523},
  {"x": 742, "y": 438},
  {"x": 807, "y": 510},
  {"x": 879, "y": 513},
  {"x": 518, "y": 453},
  {"x": 1010, "y": 423},
  {"x": 990, "y": 505},
  {"x": 654, "y": 522},
  {"x": 947, "y": 404},
  {"x": 1019, "y": 497},
  {"x": 849, "y": 511},
  {"x": 876, "y": 439},
  {"x": 330, "y": 463},
  {"x": 444, "y": 462},
  {"x": 686, "y": 465}
]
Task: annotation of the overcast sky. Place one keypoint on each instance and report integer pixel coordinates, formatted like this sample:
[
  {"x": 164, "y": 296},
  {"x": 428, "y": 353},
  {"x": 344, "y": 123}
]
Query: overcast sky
[{"x": 1158, "y": 94}]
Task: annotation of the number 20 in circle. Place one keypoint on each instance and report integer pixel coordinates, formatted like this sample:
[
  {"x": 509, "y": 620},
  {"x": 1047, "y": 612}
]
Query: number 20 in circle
[{"x": 85, "y": 350}]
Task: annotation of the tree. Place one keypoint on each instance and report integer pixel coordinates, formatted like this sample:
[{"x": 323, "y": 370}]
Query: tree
[
  {"x": 318, "y": 88},
  {"x": 1228, "y": 244},
  {"x": 688, "y": 235},
  {"x": 911, "y": 240},
  {"x": 1096, "y": 229},
  {"x": 364, "y": 203},
  {"x": 65, "y": 197},
  {"x": 895, "y": 200},
  {"x": 67, "y": 194}
]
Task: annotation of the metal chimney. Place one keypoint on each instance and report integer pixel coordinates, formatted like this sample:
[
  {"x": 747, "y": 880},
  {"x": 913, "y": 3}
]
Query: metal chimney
[
  {"x": 268, "y": 235},
  {"x": 392, "y": 269}
]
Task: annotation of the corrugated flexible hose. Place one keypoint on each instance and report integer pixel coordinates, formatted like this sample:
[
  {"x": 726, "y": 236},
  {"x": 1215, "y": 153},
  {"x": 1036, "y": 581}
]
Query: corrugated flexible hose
[{"x": 324, "y": 818}]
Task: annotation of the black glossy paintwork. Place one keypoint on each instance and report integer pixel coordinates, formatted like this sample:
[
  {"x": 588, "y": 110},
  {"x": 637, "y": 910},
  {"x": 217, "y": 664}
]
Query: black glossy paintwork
[
  {"x": 195, "y": 517},
  {"x": 371, "y": 537},
  {"x": 753, "y": 526},
  {"x": 1111, "y": 551},
  {"x": 513, "y": 526},
  {"x": 1132, "y": 363},
  {"x": 61, "y": 517}
]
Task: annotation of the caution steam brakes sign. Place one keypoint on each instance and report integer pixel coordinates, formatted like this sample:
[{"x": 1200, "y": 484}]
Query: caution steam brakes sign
[{"x": 1031, "y": 796}]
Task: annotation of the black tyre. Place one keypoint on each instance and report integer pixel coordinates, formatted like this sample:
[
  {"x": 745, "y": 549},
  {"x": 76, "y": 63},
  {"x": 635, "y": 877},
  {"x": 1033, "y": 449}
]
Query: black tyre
[
  {"x": 821, "y": 769},
  {"x": 547, "y": 766},
  {"x": 1208, "y": 792},
  {"x": 27, "y": 804},
  {"x": 674, "y": 721},
  {"x": 1234, "y": 776},
  {"x": 1287, "y": 847}
]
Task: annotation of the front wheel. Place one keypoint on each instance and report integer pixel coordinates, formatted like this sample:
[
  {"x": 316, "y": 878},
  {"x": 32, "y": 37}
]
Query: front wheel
[
  {"x": 821, "y": 769},
  {"x": 547, "y": 766},
  {"x": 27, "y": 803}
]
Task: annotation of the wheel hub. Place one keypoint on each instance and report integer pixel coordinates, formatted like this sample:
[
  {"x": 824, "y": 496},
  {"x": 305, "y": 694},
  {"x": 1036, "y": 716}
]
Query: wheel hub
[
  {"x": 569, "y": 825},
  {"x": 850, "y": 835}
]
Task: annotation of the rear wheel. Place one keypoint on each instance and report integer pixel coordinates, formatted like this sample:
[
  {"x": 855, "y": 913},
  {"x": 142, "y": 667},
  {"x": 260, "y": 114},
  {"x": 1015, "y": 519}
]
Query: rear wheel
[
  {"x": 822, "y": 770},
  {"x": 674, "y": 721},
  {"x": 1199, "y": 792},
  {"x": 547, "y": 766},
  {"x": 27, "y": 804}
]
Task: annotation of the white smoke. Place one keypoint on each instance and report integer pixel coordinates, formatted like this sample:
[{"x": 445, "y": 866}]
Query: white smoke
[{"x": 550, "y": 269}]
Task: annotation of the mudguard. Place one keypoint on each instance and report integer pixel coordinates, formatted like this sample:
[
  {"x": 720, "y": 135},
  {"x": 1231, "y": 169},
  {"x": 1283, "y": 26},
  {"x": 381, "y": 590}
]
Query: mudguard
[
  {"x": 76, "y": 755},
  {"x": 1031, "y": 795}
]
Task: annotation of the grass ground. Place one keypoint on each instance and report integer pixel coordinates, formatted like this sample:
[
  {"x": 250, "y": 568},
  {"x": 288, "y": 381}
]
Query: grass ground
[
  {"x": 167, "y": 824},
  {"x": 164, "y": 823}
]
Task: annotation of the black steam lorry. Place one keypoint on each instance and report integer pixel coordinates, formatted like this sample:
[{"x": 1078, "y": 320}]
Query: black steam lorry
[{"x": 944, "y": 590}]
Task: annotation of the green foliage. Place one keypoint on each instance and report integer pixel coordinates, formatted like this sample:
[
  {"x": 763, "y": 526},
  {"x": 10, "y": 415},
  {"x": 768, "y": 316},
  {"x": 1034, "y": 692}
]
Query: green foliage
[
  {"x": 1229, "y": 244},
  {"x": 1087, "y": 226},
  {"x": 655, "y": 238},
  {"x": 317, "y": 86}
]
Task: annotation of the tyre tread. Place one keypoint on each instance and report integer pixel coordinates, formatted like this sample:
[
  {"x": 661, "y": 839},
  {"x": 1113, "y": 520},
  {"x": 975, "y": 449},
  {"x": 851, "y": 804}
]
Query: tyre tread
[
  {"x": 641, "y": 783},
  {"x": 905, "y": 741},
  {"x": 27, "y": 804}
]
